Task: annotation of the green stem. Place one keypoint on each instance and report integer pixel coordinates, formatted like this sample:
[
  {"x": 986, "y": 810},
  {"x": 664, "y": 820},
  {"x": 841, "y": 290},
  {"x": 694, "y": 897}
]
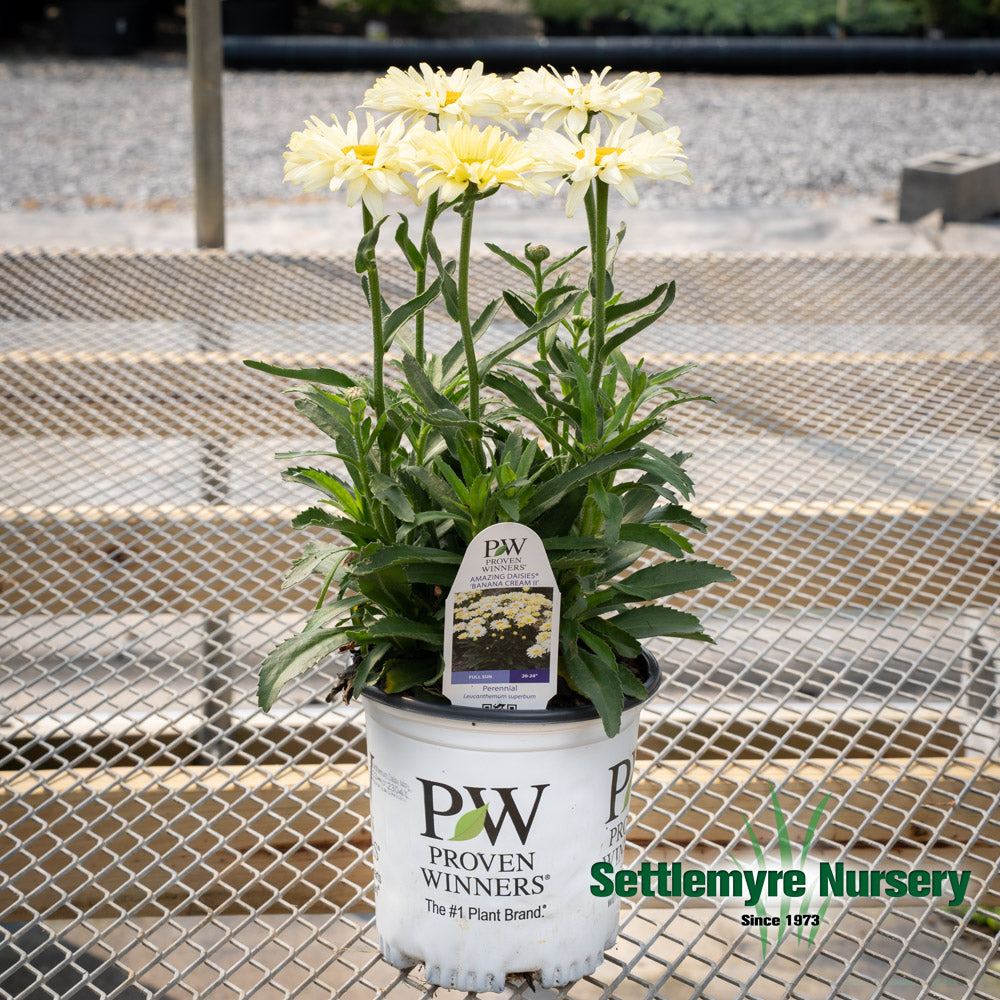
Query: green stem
[
  {"x": 471, "y": 363},
  {"x": 597, "y": 221},
  {"x": 599, "y": 259},
  {"x": 378, "y": 341},
  {"x": 430, "y": 214}
]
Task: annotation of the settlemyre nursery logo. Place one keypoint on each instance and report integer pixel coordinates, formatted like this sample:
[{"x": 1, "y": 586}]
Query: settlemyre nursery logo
[{"x": 802, "y": 897}]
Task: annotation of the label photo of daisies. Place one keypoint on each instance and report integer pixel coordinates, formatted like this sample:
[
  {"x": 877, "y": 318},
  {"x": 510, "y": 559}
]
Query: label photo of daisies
[{"x": 505, "y": 633}]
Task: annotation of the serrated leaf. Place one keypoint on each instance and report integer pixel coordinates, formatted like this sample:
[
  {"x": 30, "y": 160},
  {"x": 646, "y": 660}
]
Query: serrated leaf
[
  {"x": 321, "y": 376},
  {"x": 652, "y": 620},
  {"x": 389, "y": 492},
  {"x": 328, "y": 484},
  {"x": 523, "y": 266},
  {"x": 311, "y": 561},
  {"x": 553, "y": 490},
  {"x": 674, "y": 577},
  {"x": 403, "y": 555},
  {"x": 657, "y": 537},
  {"x": 471, "y": 824},
  {"x": 397, "y": 627},
  {"x": 316, "y": 516},
  {"x": 292, "y": 658},
  {"x": 520, "y": 308}
]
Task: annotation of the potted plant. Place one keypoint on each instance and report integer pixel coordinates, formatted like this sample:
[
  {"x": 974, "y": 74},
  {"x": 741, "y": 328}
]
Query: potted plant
[{"x": 486, "y": 820}]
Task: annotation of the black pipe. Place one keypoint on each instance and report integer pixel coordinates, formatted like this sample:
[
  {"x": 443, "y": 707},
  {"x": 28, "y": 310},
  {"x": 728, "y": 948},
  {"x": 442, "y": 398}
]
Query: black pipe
[{"x": 654, "y": 52}]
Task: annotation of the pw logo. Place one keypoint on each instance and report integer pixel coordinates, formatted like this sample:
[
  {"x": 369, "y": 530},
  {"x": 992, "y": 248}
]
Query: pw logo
[
  {"x": 802, "y": 917},
  {"x": 504, "y": 546},
  {"x": 441, "y": 800}
]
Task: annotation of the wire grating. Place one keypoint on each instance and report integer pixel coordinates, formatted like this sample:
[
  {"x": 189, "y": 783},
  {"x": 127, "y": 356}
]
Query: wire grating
[{"x": 161, "y": 838}]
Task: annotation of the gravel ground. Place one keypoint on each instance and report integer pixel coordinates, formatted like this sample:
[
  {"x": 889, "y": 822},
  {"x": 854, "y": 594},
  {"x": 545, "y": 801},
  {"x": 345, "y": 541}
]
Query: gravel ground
[{"x": 91, "y": 134}]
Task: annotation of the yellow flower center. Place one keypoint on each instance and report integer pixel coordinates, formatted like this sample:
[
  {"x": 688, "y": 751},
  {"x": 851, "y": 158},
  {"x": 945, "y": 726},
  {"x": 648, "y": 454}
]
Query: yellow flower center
[
  {"x": 450, "y": 96},
  {"x": 364, "y": 153},
  {"x": 602, "y": 151}
]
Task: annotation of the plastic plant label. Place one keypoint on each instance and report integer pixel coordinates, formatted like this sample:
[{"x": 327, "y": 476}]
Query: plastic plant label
[{"x": 501, "y": 637}]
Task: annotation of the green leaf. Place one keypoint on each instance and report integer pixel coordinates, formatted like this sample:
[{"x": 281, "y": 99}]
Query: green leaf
[
  {"x": 406, "y": 312},
  {"x": 520, "y": 308},
  {"x": 369, "y": 668},
  {"x": 596, "y": 682},
  {"x": 610, "y": 506},
  {"x": 471, "y": 823},
  {"x": 365, "y": 257},
  {"x": 657, "y": 537},
  {"x": 620, "y": 309},
  {"x": 632, "y": 687},
  {"x": 312, "y": 560},
  {"x": 424, "y": 389},
  {"x": 437, "y": 575},
  {"x": 485, "y": 319},
  {"x": 449, "y": 287},
  {"x": 389, "y": 492},
  {"x": 321, "y": 376},
  {"x": 409, "y": 248},
  {"x": 623, "y": 336},
  {"x": 665, "y": 470},
  {"x": 338, "y": 610},
  {"x": 553, "y": 490},
  {"x": 402, "y": 675},
  {"x": 328, "y": 484},
  {"x": 397, "y": 627},
  {"x": 389, "y": 588},
  {"x": 562, "y": 261},
  {"x": 676, "y": 514},
  {"x": 292, "y": 658},
  {"x": 653, "y": 620},
  {"x": 549, "y": 319},
  {"x": 620, "y": 641},
  {"x": 675, "y": 577},
  {"x": 402, "y": 555},
  {"x": 316, "y": 516},
  {"x": 523, "y": 266}
]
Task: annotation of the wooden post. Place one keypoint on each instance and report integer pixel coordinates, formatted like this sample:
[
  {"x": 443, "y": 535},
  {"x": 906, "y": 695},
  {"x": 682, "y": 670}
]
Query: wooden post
[{"x": 204, "y": 28}]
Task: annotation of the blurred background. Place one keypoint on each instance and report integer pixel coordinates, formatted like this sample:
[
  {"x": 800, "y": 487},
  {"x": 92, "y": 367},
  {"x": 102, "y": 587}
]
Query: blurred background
[{"x": 95, "y": 114}]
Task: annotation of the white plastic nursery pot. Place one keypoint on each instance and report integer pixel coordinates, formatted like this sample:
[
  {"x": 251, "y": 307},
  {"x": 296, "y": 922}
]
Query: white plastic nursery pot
[{"x": 485, "y": 826}]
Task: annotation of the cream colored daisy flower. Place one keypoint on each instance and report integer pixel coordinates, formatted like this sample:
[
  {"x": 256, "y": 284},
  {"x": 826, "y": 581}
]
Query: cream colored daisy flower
[
  {"x": 451, "y": 97},
  {"x": 370, "y": 164},
  {"x": 451, "y": 159},
  {"x": 569, "y": 101},
  {"x": 537, "y": 650},
  {"x": 625, "y": 157}
]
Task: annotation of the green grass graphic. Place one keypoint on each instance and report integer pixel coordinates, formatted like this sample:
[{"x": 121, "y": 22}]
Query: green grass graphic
[{"x": 786, "y": 856}]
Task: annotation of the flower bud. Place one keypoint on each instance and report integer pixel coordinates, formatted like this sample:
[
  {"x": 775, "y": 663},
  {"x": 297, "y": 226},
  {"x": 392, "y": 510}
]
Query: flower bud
[
  {"x": 355, "y": 397},
  {"x": 537, "y": 253}
]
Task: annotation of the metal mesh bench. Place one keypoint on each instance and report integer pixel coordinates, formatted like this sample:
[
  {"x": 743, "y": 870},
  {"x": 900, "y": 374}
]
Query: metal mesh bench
[{"x": 160, "y": 837}]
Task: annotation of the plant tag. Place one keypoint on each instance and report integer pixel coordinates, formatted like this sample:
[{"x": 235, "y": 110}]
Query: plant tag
[{"x": 501, "y": 638}]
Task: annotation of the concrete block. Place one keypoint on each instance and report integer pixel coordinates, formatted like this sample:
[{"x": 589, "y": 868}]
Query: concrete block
[{"x": 964, "y": 186}]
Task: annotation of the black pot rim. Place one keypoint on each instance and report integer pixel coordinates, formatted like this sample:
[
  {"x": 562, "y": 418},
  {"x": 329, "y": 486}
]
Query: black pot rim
[{"x": 551, "y": 716}]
